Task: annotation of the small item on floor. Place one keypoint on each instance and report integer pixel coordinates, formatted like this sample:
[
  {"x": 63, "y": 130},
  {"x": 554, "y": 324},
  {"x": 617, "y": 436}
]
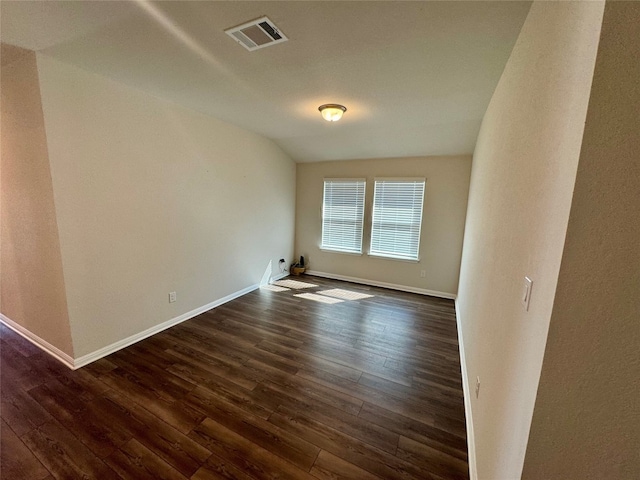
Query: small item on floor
[{"x": 298, "y": 268}]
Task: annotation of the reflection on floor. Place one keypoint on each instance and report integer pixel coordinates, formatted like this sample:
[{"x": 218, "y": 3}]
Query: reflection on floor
[
  {"x": 318, "y": 298},
  {"x": 274, "y": 288},
  {"x": 334, "y": 295},
  {"x": 345, "y": 294},
  {"x": 296, "y": 285}
]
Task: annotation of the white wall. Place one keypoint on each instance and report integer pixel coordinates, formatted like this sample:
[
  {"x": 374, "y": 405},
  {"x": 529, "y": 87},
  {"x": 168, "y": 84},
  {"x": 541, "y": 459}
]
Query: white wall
[
  {"x": 446, "y": 190},
  {"x": 523, "y": 173},
  {"x": 586, "y": 422},
  {"x": 153, "y": 198}
]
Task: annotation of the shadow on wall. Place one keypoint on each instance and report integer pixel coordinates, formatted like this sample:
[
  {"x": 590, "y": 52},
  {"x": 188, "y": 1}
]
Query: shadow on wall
[{"x": 33, "y": 289}]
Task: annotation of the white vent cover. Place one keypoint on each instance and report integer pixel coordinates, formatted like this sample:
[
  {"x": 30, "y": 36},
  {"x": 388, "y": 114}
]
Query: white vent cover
[{"x": 256, "y": 34}]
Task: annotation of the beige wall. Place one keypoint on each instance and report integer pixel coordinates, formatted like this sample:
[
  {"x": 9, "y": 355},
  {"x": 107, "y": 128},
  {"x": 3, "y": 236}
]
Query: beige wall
[
  {"x": 523, "y": 173},
  {"x": 32, "y": 290},
  {"x": 587, "y": 414},
  {"x": 153, "y": 198},
  {"x": 445, "y": 205}
]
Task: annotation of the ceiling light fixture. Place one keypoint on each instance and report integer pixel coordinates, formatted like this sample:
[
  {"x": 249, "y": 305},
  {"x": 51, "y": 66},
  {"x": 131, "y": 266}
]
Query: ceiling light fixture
[{"x": 332, "y": 112}]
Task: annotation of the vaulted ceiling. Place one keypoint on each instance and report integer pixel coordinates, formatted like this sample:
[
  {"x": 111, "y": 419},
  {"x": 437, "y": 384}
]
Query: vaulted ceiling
[{"x": 416, "y": 77}]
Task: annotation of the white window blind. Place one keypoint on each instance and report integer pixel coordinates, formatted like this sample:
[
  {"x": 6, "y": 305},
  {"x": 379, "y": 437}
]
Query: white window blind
[
  {"x": 342, "y": 215},
  {"x": 397, "y": 218}
]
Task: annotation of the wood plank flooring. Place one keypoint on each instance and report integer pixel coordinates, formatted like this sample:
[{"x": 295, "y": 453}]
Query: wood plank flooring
[{"x": 267, "y": 386}]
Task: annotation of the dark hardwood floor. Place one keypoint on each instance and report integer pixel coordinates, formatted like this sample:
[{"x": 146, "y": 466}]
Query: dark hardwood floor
[{"x": 267, "y": 386}]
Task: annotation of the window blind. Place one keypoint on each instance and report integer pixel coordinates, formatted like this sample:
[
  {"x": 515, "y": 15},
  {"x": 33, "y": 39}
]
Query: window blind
[
  {"x": 397, "y": 218},
  {"x": 342, "y": 215}
]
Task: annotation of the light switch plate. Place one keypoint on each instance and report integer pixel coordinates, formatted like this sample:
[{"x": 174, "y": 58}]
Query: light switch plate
[{"x": 526, "y": 293}]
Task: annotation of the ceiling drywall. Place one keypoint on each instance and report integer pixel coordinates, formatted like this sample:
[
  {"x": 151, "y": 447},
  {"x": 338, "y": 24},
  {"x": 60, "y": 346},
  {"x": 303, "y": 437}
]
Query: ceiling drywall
[{"x": 415, "y": 76}]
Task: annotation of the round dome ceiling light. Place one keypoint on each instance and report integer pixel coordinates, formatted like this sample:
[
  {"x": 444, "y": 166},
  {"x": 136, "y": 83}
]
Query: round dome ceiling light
[{"x": 332, "y": 112}]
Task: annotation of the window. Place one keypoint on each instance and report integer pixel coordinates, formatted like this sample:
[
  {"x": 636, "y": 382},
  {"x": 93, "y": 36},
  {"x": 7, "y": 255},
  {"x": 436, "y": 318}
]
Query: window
[
  {"x": 342, "y": 214},
  {"x": 397, "y": 218}
]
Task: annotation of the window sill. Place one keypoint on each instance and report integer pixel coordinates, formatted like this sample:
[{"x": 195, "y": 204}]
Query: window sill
[
  {"x": 384, "y": 257},
  {"x": 329, "y": 250}
]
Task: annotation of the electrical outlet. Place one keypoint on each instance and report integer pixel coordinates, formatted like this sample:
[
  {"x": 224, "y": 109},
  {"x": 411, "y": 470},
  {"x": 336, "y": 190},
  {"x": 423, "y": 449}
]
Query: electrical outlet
[
  {"x": 172, "y": 297},
  {"x": 477, "y": 387},
  {"x": 423, "y": 273}
]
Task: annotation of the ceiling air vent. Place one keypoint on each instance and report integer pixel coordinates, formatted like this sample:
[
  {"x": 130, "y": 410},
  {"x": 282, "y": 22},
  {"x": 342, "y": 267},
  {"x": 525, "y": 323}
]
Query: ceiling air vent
[{"x": 257, "y": 34}]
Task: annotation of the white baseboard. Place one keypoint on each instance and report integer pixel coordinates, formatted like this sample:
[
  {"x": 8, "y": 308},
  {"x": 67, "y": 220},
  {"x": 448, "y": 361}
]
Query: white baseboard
[
  {"x": 38, "y": 342},
  {"x": 120, "y": 344},
  {"x": 374, "y": 283},
  {"x": 471, "y": 443}
]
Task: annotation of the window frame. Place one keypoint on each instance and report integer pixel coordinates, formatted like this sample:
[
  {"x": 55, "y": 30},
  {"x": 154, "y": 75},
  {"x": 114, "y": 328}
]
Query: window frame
[
  {"x": 338, "y": 245},
  {"x": 415, "y": 229}
]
